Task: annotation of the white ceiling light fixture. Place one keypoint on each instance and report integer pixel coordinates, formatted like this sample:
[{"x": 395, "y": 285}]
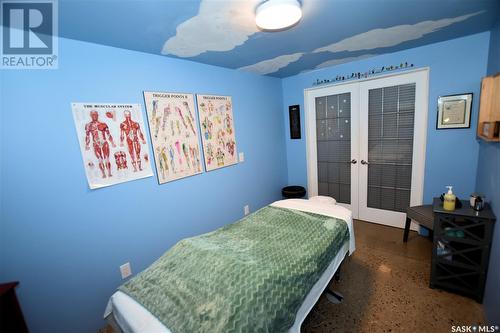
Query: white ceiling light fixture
[{"x": 278, "y": 14}]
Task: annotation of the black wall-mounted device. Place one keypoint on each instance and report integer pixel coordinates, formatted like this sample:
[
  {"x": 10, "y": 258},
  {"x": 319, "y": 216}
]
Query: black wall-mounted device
[{"x": 294, "y": 111}]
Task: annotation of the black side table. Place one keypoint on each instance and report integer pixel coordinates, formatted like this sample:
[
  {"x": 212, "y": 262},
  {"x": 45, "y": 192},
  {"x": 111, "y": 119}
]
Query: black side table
[{"x": 461, "y": 249}]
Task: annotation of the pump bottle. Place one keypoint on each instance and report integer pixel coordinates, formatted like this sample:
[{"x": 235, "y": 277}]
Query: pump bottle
[{"x": 449, "y": 200}]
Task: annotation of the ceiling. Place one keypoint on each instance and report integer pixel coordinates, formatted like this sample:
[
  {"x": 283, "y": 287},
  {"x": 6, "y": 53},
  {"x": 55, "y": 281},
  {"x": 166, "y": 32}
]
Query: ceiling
[{"x": 223, "y": 32}]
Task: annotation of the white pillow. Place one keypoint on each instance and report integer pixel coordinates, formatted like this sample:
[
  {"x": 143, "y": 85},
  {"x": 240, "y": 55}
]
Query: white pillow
[{"x": 323, "y": 199}]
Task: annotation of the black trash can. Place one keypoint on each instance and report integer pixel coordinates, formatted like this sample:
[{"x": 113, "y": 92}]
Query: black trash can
[{"x": 293, "y": 192}]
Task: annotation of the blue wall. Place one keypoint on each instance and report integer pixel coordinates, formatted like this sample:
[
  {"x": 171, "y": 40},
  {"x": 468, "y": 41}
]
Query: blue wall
[
  {"x": 64, "y": 242},
  {"x": 456, "y": 66},
  {"x": 488, "y": 182}
]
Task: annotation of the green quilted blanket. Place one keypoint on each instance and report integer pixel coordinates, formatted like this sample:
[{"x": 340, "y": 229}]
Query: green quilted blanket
[{"x": 249, "y": 276}]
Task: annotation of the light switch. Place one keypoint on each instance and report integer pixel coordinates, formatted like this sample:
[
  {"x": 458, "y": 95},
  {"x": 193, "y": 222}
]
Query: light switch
[{"x": 241, "y": 157}]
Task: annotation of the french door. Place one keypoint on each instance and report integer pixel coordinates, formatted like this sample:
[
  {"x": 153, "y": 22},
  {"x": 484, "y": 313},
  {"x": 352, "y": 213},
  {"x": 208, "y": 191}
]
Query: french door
[
  {"x": 333, "y": 134},
  {"x": 366, "y": 144}
]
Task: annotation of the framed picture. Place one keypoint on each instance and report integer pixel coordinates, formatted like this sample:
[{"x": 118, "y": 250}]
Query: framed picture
[
  {"x": 454, "y": 111},
  {"x": 294, "y": 111}
]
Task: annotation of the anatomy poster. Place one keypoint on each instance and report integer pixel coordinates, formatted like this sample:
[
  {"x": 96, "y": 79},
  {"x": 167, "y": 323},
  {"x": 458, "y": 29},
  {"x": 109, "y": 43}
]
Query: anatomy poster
[
  {"x": 217, "y": 127},
  {"x": 113, "y": 143},
  {"x": 174, "y": 135}
]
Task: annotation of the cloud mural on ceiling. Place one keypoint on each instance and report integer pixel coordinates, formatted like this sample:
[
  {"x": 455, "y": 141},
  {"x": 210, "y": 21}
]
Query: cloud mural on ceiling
[
  {"x": 220, "y": 25},
  {"x": 373, "y": 39},
  {"x": 272, "y": 65},
  {"x": 340, "y": 61},
  {"x": 392, "y": 36}
]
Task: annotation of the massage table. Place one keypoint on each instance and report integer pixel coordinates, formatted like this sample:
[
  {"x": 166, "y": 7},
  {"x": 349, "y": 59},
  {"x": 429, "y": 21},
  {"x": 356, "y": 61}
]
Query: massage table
[{"x": 126, "y": 315}]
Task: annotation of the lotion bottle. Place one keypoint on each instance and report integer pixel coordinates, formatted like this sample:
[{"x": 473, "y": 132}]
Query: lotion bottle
[{"x": 449, "y": 200}]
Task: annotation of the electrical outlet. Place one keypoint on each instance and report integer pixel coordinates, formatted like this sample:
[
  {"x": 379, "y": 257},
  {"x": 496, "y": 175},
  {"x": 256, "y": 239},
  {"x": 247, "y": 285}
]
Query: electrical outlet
[
  {"x": 125, "y": 270},
  {"x": 246, "y": 209},
  {"x": 241, "y": 157}
]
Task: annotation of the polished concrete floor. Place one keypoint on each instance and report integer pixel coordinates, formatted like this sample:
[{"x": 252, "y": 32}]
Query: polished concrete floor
[{"x": 386, "y": 288}]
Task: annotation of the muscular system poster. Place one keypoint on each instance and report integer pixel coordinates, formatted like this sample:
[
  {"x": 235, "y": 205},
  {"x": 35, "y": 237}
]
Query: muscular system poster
[
  {"x": 172, "y": 125},
  {"x": 113, "y": 142},
  {"x": 217, "y": 127}
]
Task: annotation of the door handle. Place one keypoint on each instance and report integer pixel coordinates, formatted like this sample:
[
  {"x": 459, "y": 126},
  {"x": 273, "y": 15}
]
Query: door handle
[
  {"x": 364, "y": 162},
  {"x": 353, "y": 161}
]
